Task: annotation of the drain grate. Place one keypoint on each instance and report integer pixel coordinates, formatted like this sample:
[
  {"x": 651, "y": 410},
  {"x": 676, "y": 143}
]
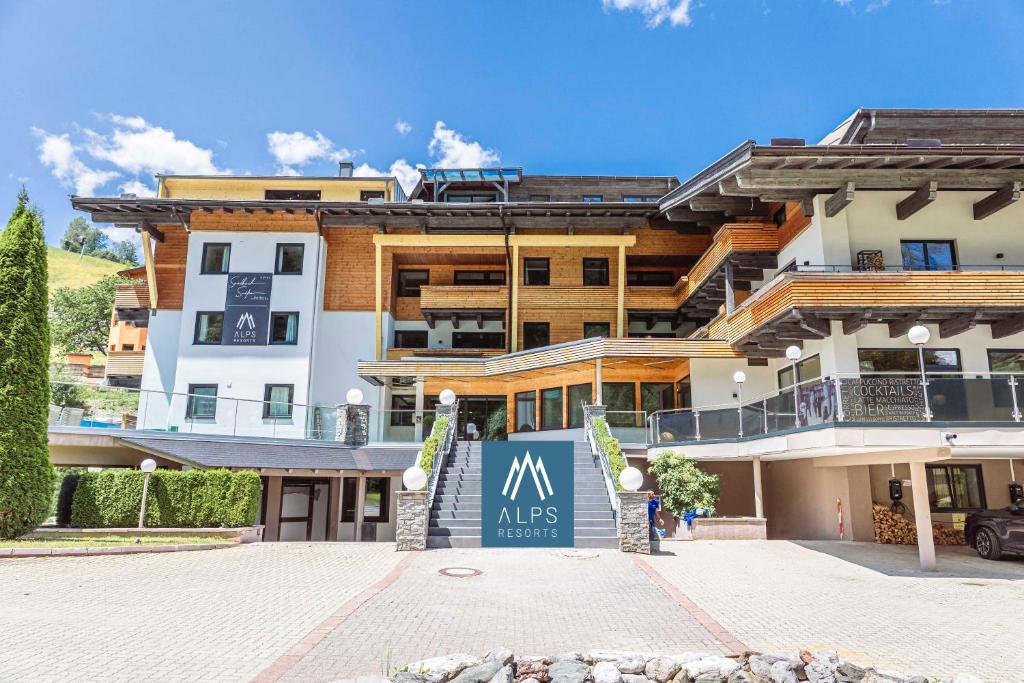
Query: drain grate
[{"x": 459, "y": 572}]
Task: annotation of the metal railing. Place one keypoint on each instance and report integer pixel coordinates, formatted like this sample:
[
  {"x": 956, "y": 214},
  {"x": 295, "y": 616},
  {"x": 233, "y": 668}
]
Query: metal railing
[
  {"x": 937, "y": 268},
  {"x": 876, "y": 398},
  {"x": 443, "y": 449},
  {"x": 597, "y": 449}
]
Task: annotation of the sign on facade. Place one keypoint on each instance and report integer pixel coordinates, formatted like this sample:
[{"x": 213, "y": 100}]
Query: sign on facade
[
  {"x": 247, "y": 309},
  {"x": 882, "y": 399},
  {"x": 527, "y": 496}
]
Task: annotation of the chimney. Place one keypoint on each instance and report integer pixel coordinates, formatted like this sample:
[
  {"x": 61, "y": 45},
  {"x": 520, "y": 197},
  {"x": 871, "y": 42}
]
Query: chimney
[{"x": 345, "y": 169}]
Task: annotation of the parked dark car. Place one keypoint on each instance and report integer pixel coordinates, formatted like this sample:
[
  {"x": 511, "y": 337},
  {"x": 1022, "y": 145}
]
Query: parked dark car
[{"x": 994, "y": 532}]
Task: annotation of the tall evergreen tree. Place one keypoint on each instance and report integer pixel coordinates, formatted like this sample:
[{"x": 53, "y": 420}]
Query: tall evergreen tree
[{"x": 26, "y": 476}]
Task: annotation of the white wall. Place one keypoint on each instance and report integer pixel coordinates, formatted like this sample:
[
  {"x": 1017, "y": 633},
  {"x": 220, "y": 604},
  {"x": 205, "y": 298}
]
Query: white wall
[
  {"x": 712, "y": 384},
  {"x": 440, "y": 337}
]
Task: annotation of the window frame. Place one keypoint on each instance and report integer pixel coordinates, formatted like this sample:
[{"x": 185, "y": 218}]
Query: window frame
[
  {"x": 278, "y": 260},
  {"x": 605, "y": 324},
  {"x": 400, "y": 415},
  {"x": 575, "y": 408},
  {"x": 267, "y": 389},
  {"x": 954, "y": 257},
  {"x": 275, "y": 314},
  {"x": 604, "y": 272},
  {"x": 426, "y": 339},
  {"x": 536, "y": 260},
  {"x": 797, "y": 375},
  {"x": 190, "y": 400},
  {"x": 202, "y": 262},
  {"x": 592, "y": 198},
  {"x": 472, "y": 197},
  {"x": 538, "y": 324},
  {"x": 484, "y": 282},
  {"x": 367, "y": 195},
  {"x": 402, "y": 287},
  {"x": 493, "y": 334},
  {"x": 195, "y": 332},
  {"x": 544, "y": 426},
  {"x": 916, "y": 371},
  {"x": 635, "y": 278},
  {"x": 318, "y": 193},
  {"x": 983, "y": 501},
  {"x": 385, "y": 501},
  {"x": 526, "y": 397}
]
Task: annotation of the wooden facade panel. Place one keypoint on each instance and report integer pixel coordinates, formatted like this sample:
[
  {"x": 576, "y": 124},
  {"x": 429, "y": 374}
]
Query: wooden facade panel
[
  {"x": 131, "y": 296},
  {"x": 796, "y": 222},
  {"x": 257, "y": 221},
  {"x": 462, "y": 297},
  {"x": 169, "y": 266},
  {"x": 349, "y": 274},
  {"x": 566, "y": 324}
]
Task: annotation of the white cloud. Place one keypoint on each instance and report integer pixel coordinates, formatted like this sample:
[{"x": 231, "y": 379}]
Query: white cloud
[
  {"x": 138, "y": 188},
  {"x": 451, "y": 150},
  {"x": 136, "y": 122},
  {"x": 61, "y": 156},
  {"x": 298, "y": 149},
  {"x": 655, "y": 12},
  {"x": 402, "y": 127},
  {"x": 406, "y": 173}
]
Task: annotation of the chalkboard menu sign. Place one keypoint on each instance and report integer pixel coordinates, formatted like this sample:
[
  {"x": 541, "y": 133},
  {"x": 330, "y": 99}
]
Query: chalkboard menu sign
[
  {"x": 247, "y": 309},
  {"x": 882, "y": 399}
]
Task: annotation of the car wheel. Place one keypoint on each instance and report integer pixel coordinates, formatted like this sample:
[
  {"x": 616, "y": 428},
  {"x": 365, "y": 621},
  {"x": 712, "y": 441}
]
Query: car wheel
[{"x": 987, "y": 545}]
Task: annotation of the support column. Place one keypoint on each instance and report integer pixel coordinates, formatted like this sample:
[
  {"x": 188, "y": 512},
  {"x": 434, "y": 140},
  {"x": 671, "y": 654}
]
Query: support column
[
  {"x": 411, "y": 527},
  {"x": 378, "y": 301},
  {"x": 730, "y": 289},
  {"x": 758, "y": 491},
  {"x": 634, "y": 527},
  {"x": 418, "y": 419},
  {"x": 272, "y": 522},
  {"x": 598, "y": 382},
  {"x": 514, "y": 313},
  {"x": 922, "y": 516},
  {"x": 357, "y": 533},
  {"x": 333, "y": 507},
  {"x": 620, "y": 300}
]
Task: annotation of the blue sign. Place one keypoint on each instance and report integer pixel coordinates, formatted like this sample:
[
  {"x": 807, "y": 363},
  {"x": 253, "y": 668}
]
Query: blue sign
[
  {"x": 247, "y": 309},
  {"x": 527, "y": 494}
]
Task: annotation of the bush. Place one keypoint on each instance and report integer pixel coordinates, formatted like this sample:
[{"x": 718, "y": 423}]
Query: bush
[
  {"x": 431, "y": 443},
  {"x": 193, "y": 499},
  {"x": 683, "y": 485},
  {"x": 610, "y": 445},
  {"x": 65, "y": 496}
]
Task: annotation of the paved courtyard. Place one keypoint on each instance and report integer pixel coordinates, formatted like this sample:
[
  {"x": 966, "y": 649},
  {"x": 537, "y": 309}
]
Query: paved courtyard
[{"x": 320, "y": 612}]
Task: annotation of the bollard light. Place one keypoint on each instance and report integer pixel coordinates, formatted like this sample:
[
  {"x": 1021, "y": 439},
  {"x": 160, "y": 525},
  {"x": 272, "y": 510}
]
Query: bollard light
[
  {"x": 631, "y": 479},
  {"x": 414, "y": 478},
  {"x": 354, "y": 396},
  {"x": 739, "y": 377},
  {"x": 919, "y": 335},
  {"x": 148, "y": 465},
  {"x": 447, "y": 397},
  {"x": 793, "y": 353}
]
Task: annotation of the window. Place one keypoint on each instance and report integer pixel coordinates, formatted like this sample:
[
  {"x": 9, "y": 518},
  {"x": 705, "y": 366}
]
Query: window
[
  {"x": 620, "y": 403},
  {"x": 578, "y": 395},
  {"x": 1000, "y": 360},
  {"x": 410, "y": 339},
  {"x": 806, "y": 370},
  {"x": 479, "y": 277},
  {"x": 650, "y": 278},
  {"x": 216, "y": 259},
  {"x": 551, "y": 408},
  {"x": 209, "y": 327},
  {"x": 595, "y": 272},
  {"x": 478, "y": 340},
  {"x": 954, "y": 488},
  {"x": 592, "y": 198},
  {"x": 684, "y": 393},
  {"x": 540, "y": 198},
  {"x": 526, "y": 411},
  {"x": 470, "y": 198},
  {"x": 294, "y": 195},
  {"x": 369, "y": 195},
  {"x": 202, "y": 402},
  {"x": 906, "y": 361},
  {"x": 536, "y": 335},
  {"x": 410, "y": 281},
  {"x": 928, "y": 254},
  {"x": 377, "y": 502},
  {"x": 349, "y": 487},
  {"x": 289, "y": 259},
  {"x": 284, "y": 328},
  {"x": 403, "y": 410},
  {"x": 632, "y": 198},
  {"x": 597, "y": 330},
  {"x": 656, "y": 396},
  {"x": 536, "y": 271},
  {"x": 127, "y": 347},
  {"x": 277, "y": 400}
]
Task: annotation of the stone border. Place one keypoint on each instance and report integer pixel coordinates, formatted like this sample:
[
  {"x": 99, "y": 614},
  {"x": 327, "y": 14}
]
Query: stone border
[
  {"x": 111, "y": 550},
  {"x": 244, "y": 534}
]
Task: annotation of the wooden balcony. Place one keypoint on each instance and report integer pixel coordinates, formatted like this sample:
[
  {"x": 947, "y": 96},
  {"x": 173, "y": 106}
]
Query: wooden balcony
[
  {"x": 652, "y": 298},
  {"x": 463, "y": 297},
  {"x": 398, "y": 353},
  {"x": 799, "y": 306},
  {"x": 125, "y": 363},
  {"x": 553, "y": 296},
  {"x": 131, "y": 304}
]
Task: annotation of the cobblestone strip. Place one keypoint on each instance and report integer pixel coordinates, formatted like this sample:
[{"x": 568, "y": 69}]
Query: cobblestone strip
[
  {"x": 729, "y": 641},
  {"x": 285, "y": 662}
]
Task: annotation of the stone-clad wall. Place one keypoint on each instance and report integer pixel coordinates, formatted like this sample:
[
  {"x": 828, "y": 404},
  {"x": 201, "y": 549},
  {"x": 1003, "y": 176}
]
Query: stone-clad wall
[
  {"x": 411, "y": 533},
  {"x": 634, "y": 529}
]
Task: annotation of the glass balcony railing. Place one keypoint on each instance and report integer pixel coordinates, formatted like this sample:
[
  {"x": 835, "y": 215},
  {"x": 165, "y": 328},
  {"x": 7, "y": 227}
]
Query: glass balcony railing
[
  {"x": 886, "y": 398},
  {"x": 628, "y": 426}
]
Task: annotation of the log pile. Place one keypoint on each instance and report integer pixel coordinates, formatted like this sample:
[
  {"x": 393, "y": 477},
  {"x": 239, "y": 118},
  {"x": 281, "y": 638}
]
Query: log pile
[{"x": 892, "y": 527}]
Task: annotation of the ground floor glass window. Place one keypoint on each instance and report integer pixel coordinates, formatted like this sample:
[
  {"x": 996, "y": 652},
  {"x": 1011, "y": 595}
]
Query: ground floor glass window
[{"x": 955, "y": 488}]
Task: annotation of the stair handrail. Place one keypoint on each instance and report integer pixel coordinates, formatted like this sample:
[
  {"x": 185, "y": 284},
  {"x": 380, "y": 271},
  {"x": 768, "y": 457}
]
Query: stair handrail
[
  {"x": 597, "y": 449},
  {"x": 444, "y": 448}
]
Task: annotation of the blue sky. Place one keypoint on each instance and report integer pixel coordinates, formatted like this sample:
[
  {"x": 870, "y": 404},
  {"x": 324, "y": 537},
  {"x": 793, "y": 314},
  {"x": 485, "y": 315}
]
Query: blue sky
[{"x": 98, "y": 96}]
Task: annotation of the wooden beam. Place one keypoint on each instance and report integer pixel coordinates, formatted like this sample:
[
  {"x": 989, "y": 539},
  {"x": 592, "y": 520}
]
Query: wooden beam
[
  {"x": 813, "y": 324},
  {"x": 498, "y": 241},
  {"x": 898, "y": 328},
  {"x": 1000, "y": 199},
  {"x": 922, "y": 197},
  {"x": 856, "y": 322},
  {"x": 620, "y": 294},
  {"x": 378, "y": 300},
  {"x": 839, "y": 200},
  {"x": 149, "y": 228},
  {"x": 956, "y": 325},
  {"x": 514, "y": 313},
  {"x": 1007, "y": 326},
  {"x": 147, "y": 255}
]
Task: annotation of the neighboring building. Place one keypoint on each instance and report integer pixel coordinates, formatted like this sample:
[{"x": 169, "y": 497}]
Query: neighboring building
[{"x": 531, "y": 295}]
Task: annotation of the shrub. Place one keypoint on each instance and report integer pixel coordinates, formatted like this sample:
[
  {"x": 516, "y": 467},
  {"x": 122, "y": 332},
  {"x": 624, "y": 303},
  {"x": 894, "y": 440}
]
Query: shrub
[
  {"x": 610, "y": 445},
  {"x": 683, "y": 485},
  {"x": 192, "y": 499},
  {"x": 65, "y": 496},
  {"x": 431, "y": 443},
  {"x": 26, "y": 477}
]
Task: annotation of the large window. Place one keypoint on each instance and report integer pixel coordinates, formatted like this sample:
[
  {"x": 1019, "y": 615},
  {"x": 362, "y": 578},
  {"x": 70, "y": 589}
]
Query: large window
[
  {"x": 551, "y": 408},
  {"x": 1004, "y": 360},
  {"x": 955, "y": 488},
  {"x": 536, "y": 271},
  {"x": 289, "y": 259},
  {"x": 597, "y": 330},
  {"x": 349, "y": 489},
  {"x": 578, "y": 395},
  {"x": 294, "y": 195},
  {"x": 216, "y": 258},
  {"x": 536, "y": 335},
  {"x": 403, "y": 410},
  {"x": 202, "y": 402},
  {"x": 277, "y": 400},
  {"x": 526, "y": 411},
  {"x": 377, "y": 502},
  {"x": 632, "y": 198},
  {"x": 410, "y": 339},
  {"x": 656, "y": 396},
  {"x": 371, "y": 195},
  {"x": 806, "y": 370},
  {"x": 470, "y": 197},
  {"x": 480, "y": 277},
  {"x": 595, "y": 272},
  {"x": 620, "y": 403},
  {"x": 650, "y": 278},
  {"x": 906, "y": 361},
  {"x": 928, "y": 254},
  {"x": 684, "y": 393},
  {"x": 209, "y": 327},
  {"x": 284, "y": 328},
  {"x": 478, "y": 340},
  {"x": 592, "y": 198},
  {"x": 410, "y": 281}
]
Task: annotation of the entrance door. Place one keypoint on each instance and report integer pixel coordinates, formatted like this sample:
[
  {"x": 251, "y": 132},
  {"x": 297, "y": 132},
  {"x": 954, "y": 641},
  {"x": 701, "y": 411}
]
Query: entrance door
[
  {"x": 486, "y": 414},
  {"x": 303, "y": 510}
]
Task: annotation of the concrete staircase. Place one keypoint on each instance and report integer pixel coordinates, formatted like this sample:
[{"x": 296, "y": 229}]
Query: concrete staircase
[{"x": 455, "y": 517}]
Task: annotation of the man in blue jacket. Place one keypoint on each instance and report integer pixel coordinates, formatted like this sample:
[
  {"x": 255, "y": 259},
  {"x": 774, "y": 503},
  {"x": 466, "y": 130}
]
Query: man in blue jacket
[{"x": 653, "y": 505}]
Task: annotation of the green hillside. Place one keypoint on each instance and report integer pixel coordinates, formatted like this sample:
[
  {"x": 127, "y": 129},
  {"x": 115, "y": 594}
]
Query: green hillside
[{"x": 68, "y": 270}]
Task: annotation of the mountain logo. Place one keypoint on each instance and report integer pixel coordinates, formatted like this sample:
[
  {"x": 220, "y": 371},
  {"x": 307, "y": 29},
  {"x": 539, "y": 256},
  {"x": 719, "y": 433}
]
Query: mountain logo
[
  {"x": 246, "y": 320},
  {"x": 537, "y": 471}
]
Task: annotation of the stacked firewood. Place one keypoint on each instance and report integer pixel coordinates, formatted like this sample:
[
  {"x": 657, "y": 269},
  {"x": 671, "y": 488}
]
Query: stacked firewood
[{"x": 893, "y": 527}]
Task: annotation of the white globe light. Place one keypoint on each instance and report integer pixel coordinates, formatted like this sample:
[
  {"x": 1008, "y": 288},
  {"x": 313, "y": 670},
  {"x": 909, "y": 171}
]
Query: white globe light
[
  {"x": 414, "y": 478},
  {"x": 793, "y": 352},
  {"x": 147, "y": 465},
  {"x": 447, "y": 397},
  {"x": 631, "y": 478},
  {"x": 354, "y": 396},
  {"x": 919, "y": 335},
  {"x": 739, "y": 377}
]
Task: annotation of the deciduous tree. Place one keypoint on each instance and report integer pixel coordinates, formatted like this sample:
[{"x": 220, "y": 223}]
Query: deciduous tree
[{"x": 81, "y": 316}]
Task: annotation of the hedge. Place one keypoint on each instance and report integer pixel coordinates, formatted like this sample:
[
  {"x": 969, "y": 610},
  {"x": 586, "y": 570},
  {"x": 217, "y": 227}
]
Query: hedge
[
  {"x": 610, "y": 445},
  {"x": 192, "y": 499},
  {"x": 431, "y": 443}
]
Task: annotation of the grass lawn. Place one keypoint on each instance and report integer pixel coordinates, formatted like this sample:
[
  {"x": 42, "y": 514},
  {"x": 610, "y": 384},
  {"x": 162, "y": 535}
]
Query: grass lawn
[
  {"x": 111, "y": 541},
  {"x": 67, "y": 270}
]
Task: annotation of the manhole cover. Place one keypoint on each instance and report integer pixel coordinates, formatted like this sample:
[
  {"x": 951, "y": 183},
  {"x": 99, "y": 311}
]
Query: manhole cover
[{"x": 459, "y": 572}]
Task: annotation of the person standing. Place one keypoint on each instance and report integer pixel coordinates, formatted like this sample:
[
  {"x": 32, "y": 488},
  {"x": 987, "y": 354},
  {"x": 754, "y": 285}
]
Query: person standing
[{"x": 653, "y": 505}]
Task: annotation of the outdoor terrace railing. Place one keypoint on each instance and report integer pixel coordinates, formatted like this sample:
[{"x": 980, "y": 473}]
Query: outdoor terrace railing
[
  {"x": 875, "y": 399},
  {"x": 937, "y": 268},
  {"x": 444, "y": 449},
  {"x": 597, "y": 448}
]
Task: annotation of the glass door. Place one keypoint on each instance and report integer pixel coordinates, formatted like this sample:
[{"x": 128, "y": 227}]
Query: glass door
[{"x": 482, "y": 418}]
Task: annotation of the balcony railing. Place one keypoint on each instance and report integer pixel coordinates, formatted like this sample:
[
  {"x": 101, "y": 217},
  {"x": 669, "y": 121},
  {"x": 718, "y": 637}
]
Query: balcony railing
[
  {"x": 446, "y": 297},
  {"x": 937, "y": 268},
  {"x": 867, "y": 400}
]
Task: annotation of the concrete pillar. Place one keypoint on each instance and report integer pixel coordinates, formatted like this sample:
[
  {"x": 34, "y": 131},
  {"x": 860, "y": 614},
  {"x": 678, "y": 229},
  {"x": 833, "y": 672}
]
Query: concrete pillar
[
  {"x": 272, "y": 530},
  {"x": 333, "y": 507},
  {"x": 411, "y": 529},
  {"x": 597, "y": 380},
  {"x": 357, "y": 533},
  {"x": 922, "y": 516},
  {"x": 730, "y": 289},
  {"x": 418, "y": 419},
  {"x": 634, "y": 527},
  {"x": 758, "y": 492},
  {"x": 353, "y": 424}
]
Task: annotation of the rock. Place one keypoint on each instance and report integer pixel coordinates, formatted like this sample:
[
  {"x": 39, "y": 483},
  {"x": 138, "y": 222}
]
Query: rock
[
  {"x": 631, "y": 664},
  {"x": 569, "y": 671},
  {"x": 410, "y": 677},
  {"x": 500, "y": 654},
  {"x": 504, "y": 675},
  {"x": 662, "y": 669},
  {"x": 875, "y": 676},
  {"x": 740, "y": 676},
  {"x": 480, "y": 673},
  {"x": 606, "y": 672},
  {"x": 962, "y": 678},
  {"x": 761, "y": 665},
  {"x": 782, "y": 672},
  {"x": 721, "y": 666},
  {"x": 363, "y": 679},
  {"x": 713, "y": 677},
  {"x": 820, "y": 667},
  {"x": 924, "y": 679},
  {"x": 848, "y": 672},
  {"x": 568, "y": 657},
  {"x": 633, "y": 678},
  {"x": 442, "y": 669},
  {"x": 531, "y": 669}
]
